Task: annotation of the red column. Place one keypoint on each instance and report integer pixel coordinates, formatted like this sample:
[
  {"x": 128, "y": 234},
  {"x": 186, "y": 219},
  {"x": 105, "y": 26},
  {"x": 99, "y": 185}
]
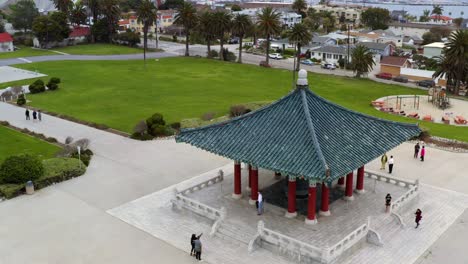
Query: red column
[
  {"x": 291, "y": 198},
  {"x": 237, "y": 181},
  {"x": 311, "y": 219},
  {"x": 324, "y": 207},
  {"x": 360, "y": 180},
  {"x": 349, "y": 187},
  {"x": 254, "y": 185},
  {"x": 341, "y": 182}
]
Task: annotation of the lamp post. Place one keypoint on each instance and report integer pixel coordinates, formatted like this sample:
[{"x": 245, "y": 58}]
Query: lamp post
[{"x": 79, "y": 154}]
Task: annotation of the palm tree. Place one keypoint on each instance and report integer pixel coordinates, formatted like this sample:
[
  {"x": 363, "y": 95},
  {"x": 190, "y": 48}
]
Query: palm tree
[
  {"x": 425, "y": 16},
  {"x": 78, "y": 14},
  {"x": 437, "y": 10},
  {"x": 222, "y": 24},
  {"x": 455, "y": 60},
  {"x": 241, "y": 25},
  {"x": 268, "y": 24},
  {"x": 206, "y": 29},
  {"x": 299, "y": 6},
  {"x": 111, "y": 11},
  {"x": 92, "y": 7},
  {"x": 362, "y": 60},
  {"x": 63, "y": 5},
  {"x": 146, "y": 14},
  {"x": 187, "y": 17},
  {"x": 299, "y": 35}
]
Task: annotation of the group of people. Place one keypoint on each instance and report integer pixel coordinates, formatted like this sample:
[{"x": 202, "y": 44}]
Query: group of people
[
  {"x": 36, "y": 115},
  {"x": 421, "y": 151},
  {"x": 388, "y": 203},
  {"x": 196, "y": 246},
  {"x": 384, "y": 161}
]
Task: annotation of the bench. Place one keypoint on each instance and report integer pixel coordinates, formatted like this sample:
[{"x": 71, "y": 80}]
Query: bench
[
  {"x": 378, "y": 103},
  {"x": 413, "y": 115},
  {"x": 459, "y": 120},
  {"x": 427, "y": 118}
]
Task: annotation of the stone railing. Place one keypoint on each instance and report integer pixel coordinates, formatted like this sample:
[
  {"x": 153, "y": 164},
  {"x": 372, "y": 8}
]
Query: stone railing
[
  {"x": 407, "y": 196},
  {"x": 201, "y": 185},
  {"x": 389, "y": 179},
  {"x": 331, "y": 253}
]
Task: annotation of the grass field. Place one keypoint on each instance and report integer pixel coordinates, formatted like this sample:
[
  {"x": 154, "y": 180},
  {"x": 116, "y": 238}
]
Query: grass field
[
  {"x": 24, "y": 51},
  {"x": 98, "y": 49},
  {"x": 120, "y": 93},
  {"x": 13, "y": 143}
]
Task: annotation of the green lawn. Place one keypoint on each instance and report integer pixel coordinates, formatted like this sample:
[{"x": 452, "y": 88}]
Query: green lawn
[
  {"x": 120, "y": 93},
  {"x": 99, "y": 49},
  {"x": 24, "y": 51},
  {"x": 13, "y": 143}
]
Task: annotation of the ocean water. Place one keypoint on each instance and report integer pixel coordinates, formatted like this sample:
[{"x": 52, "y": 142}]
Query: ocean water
[{"x": 417, "y": 10}]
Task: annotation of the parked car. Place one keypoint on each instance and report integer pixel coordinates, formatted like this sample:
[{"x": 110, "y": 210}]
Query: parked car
[
  {"x": 234, "y": 41},
  {"x": 328, "y": 66},
  {"x": 307, "y": 62},
  {"x": 426, "y": 83},
  {"x": 401, "y": 79},
  {"x": 384, "y": 75},
  {"x": 275, "y": 56}
]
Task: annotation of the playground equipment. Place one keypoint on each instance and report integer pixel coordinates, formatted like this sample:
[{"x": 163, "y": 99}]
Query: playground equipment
[
  {"x": 439, "y": 98},
  {"x": 401, "y": 101}
]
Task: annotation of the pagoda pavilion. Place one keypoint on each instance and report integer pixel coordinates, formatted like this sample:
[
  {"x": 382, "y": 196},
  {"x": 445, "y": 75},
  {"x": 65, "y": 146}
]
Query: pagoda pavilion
[{"x": 304, "y": 136}]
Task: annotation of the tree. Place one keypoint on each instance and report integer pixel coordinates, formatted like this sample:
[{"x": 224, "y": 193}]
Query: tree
[
  {"x": 61, "y": 19},
  {"x": 455, "y": 61},
  {"x": 313, "y": 19},
  {"x": 300, "y": 36},
  {"x": 376, "y": 18},
  {"x": 51, "y": 28},
  {"x": 23, "y": 14},
  {"x": 236, "y": 8},
  {"x": 2, "y": 26},
  {"x": 111, "y": 11},
  {"x": 241, "y": 25},
  {"x": 63, "y": 5},
  {"x": 78, "y": 14},
  {"x": 437, "y": 10},
  {"x": 222, "y": 24},
  {"x": 328, "y": 21},
  {"x": 362, "y": 60},
  {"x": 430, "y": 37},
  {"x": 173, "y": 4},
  {"x": 187, "y": 17},
  {"x": 268, "y": 24},
  {"x": 299, "y": 6},
  {"x": 93, "y": 8},
  {"x": 206, "y": 29},
  {"x": 458, "y": 22},
  {"x": 425, "y": 16},
  {"x": 443, "y": 32},
  {"x": 146, "y": 14}
]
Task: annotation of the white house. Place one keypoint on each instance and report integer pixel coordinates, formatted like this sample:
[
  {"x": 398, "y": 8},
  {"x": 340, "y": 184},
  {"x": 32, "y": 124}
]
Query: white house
[
  {"x": 288, "y": 19},
  {"x": 433, "y": 50},
  {"x": 331, "y": 54},
  {"x": 415, "y": 29},
  {"x": 441, "y": 19},
  {"x": 6, "y": 42}
]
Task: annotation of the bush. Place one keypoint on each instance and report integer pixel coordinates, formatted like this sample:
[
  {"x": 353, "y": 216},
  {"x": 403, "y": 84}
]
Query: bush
[
  {"x": 213, "y": 54},
  {"x": 176, "y": 126},
  {"x": 52, "y": 86},
  {"x": 156, "y": 119},
  {"x": 264, "y": 64},
  {"x": 20, "y": 169},
  {"x": 21, "y": 100},
  {"x": 37, "y": 87},
  {"x": 228, "y": 56},
  {"x": 11, "y": 190},
  {"x": 59, "y": 169},
  {"x": 54, "y": 80},
  {"x": 85, "y": 156},
  {"x": 143, "y": 137},
  {"x": 237, "y": 110}
]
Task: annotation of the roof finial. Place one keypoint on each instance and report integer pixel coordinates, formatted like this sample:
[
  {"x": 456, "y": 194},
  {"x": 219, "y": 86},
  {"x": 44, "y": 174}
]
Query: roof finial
[{"x": 302, "y": 78}]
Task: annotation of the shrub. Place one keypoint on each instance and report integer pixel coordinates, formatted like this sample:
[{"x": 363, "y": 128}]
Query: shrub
[
  {"x": 213, "y": 54},
  {"x": 20, "y": 169},
  {"x": 21, "y": 100},
  {"x": 60, "y": 169},
  {"x": 176, "y": 126},
  {"x": 54, "y": 80},
  {"x": 11, "y": 190},
  {"x": 158, "y": 130},
  {"x": 237, "y": 110},
  {"x": 144, "y": 136},
  {"x": 52, "y": 86},
  {"x": 264, "y": 64},
  {"x": 156, "y": 119},
  {"x": 228, "y": 56},
  {"x": 37, "y": 87}
]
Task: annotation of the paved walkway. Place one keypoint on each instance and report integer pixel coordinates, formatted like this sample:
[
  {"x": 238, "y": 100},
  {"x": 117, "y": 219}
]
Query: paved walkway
[{"x": 67, "y": 222}]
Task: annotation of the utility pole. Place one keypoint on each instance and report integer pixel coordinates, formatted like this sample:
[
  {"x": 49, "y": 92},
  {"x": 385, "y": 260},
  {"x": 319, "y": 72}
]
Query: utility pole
[{"x": 347, "y": 59}]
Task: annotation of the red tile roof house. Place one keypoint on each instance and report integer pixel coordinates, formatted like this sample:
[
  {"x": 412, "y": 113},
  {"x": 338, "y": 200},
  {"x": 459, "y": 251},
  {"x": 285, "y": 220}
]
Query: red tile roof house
[
  {"x": 6, "y": 42},
  {"x": 393, "y": 65},
  {"x": 79, "y": 35}
]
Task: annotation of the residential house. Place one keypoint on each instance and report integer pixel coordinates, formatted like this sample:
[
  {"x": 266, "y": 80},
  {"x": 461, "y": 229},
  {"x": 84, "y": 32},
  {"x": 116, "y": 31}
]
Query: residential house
[
  {"x": 393, "y": 65},
  {"x": 379, "y": 49},
  {"x": 414, "y": 29},
  {"x": 378, "y": 36},
  {"x": 124, "y": 25},
  {"x": 433, "y": 50},
  {"x": 331, "y": 54},
  {"x": 323, "y": 40},
  {"x": 79, "y": 35},
  {"x": 414, "y": 41},
  {"x": 288, "y": 19},
  {"x": 166, "y": 18},
  {"x": 440, "y": 19},
  {"x": 351, "y": 14},
  {"x": 399, "y": 15},
  {"x": 6, "y": 42}
]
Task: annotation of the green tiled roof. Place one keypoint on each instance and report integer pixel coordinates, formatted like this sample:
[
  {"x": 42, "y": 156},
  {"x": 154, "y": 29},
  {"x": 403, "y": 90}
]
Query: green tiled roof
[{"x": 302, "y": 134}]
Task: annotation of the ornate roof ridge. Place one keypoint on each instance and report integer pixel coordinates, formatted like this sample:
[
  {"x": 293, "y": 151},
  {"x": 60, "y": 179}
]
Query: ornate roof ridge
[
  {"x": 359, "y": 113},
  {"x": 311, "y": 129}
]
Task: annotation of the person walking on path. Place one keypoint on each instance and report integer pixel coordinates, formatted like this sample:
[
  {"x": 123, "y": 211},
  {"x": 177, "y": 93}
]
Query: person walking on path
[
  {"x": 27, "y": 114},
  {"x": 423, "y": 153},
  {"x": 198, "y": 249},
  {"x": 34, "y": 116},
  {"x": 390, "y": 164},
  {"x": 418, "y": 217},
  {"x": 39, "y": 115},
  {"x": 416, "y": 150},
  {"x": 383, "y": 160},
  {"x": 192, "y": 243},
  {"x": 388, "y": 202},
  {"x": 260, "y": 204}
]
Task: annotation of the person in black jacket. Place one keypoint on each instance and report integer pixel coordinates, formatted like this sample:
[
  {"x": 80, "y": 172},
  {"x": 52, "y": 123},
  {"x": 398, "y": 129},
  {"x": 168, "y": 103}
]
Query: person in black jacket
[
  {"x": 388, "y": 202},
  {"x": 192, "y": 243},
  {"x": 27, "y": 114}
]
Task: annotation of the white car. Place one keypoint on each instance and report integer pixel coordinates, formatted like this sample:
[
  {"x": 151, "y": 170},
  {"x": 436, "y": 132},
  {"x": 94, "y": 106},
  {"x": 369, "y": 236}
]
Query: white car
[{"x": 275, "y": 56}]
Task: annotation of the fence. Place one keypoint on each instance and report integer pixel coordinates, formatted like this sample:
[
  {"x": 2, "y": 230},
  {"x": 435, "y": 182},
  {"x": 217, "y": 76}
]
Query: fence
[{"x": 201, "y": 185}]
